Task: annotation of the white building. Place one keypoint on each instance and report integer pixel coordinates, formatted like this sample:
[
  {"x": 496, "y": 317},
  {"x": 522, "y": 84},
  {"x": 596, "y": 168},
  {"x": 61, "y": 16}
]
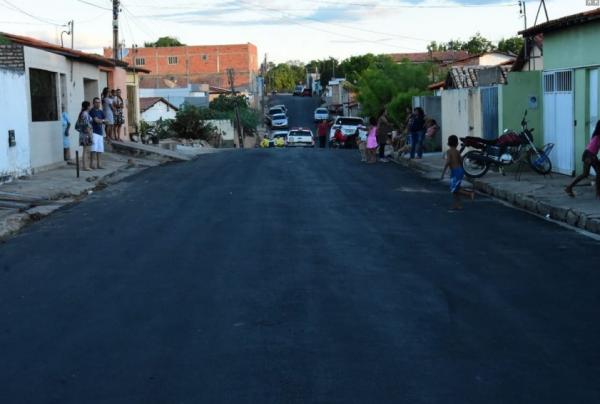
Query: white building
[
  {"x": 155, "y": 108},
  {"x": 39, "y": 80}
]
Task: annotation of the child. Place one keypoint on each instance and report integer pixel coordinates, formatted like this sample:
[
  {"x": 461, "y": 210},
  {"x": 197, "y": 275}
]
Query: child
[
  {"x": 590, "y": 159},
  {"x": 361, "y": 140},
  {"x": 372, "y": 142},
  {"x": 456, "y": 174}
]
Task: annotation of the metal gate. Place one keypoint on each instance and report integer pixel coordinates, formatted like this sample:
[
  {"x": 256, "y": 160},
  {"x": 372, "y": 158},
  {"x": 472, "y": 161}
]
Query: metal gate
[
  {"x": 558, "y": 119},
  {"x": 489, "y": 112}
]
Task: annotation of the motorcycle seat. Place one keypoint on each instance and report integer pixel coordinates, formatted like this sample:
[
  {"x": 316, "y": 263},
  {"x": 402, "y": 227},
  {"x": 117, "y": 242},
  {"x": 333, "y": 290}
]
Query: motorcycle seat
[{"x": 475, "y": 139}]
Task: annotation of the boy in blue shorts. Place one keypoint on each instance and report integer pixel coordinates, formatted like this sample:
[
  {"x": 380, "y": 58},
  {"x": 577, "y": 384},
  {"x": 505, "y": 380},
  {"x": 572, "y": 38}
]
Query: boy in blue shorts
[{"x": 456, "y": 173}]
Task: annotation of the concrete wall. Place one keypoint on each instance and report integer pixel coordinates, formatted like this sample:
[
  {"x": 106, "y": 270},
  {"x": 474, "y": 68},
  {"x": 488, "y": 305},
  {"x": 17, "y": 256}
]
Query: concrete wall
[
  {"x": 514, "y": 99},
  {"x": 576, "y": 46},
  {"x": 157, "y": 111},
  {"x": 14, "y": 115},
  {"x": 46, "y": 147},
  {"x": 455, "y": 114},
  {"x": 225, "y": 126}
]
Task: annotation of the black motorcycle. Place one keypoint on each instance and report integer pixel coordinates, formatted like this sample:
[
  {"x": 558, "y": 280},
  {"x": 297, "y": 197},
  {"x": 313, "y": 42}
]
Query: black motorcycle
[{"x": 508, "y": 149}]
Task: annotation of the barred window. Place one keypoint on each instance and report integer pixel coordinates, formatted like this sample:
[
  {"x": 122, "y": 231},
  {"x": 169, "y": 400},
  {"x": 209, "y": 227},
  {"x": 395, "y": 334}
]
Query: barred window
[
  {"x": 173, "y": 60},
  {"x": 44, "y": 95},
  {"x": 140, "y": 61},
  {"x": 205, "y": 57}
]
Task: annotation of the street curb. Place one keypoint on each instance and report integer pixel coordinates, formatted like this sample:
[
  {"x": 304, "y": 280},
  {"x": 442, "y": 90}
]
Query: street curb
[
  {"x": 12, "y": 224},
  {"x": 571, "y": 217}
]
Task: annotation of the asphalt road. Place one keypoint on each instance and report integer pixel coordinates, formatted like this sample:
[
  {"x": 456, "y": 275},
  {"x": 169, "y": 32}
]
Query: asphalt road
[{"x": 296, "y": 276}]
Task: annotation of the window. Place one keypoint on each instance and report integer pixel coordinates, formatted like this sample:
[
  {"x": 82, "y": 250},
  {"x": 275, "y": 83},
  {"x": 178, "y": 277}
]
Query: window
[
  {"x": 44, "y": 95},
  {"x": 140, "y": 61},
  {"x": 173, "y": 60},
  {"x": 205, "y": 57}
]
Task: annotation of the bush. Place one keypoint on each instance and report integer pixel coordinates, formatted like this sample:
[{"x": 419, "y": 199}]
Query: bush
[{"x": 190, "y": 123}]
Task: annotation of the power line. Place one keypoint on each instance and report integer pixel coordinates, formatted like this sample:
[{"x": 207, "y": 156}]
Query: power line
[
  {"x": 94, "y": 5},
  {"x": 12, "y": 7}
]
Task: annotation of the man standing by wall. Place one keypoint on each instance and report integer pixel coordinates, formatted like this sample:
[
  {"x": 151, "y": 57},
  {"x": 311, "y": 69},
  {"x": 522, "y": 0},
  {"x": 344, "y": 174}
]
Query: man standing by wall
[{"x": 98, "y": 119}]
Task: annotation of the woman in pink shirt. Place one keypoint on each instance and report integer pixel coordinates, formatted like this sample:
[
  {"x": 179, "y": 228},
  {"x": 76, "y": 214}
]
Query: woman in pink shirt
[
  {"x": 372, "y": 142},
  {"x": 590, "y": 159}
]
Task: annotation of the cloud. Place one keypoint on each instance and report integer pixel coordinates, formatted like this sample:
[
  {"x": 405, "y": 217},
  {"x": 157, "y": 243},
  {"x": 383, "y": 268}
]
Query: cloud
[{"x": 233, "y": 13}]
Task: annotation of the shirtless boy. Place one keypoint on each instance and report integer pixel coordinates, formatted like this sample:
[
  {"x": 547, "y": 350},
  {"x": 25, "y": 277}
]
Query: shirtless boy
[{"x": 456, "y": 173}]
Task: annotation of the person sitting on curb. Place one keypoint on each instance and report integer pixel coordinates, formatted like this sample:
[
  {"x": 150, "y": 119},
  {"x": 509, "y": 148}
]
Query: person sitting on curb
[
  {"x": 456, "y": 174},
  {"x": 590, "y": 159}
]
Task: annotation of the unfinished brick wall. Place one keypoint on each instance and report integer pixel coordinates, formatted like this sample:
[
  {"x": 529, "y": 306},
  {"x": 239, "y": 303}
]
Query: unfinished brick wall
[
  {"x": 196, "y": 64},
  {"x": 12, "y": 58}
]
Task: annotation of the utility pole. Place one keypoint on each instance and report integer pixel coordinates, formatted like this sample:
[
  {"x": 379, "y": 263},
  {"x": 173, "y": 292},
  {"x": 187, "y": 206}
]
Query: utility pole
[
  {"x": 523, "y": 12},
  {"x": 116, "y": 30},
  {"x": 542, "y": 4},
  {"x": 231, "y": 78}
]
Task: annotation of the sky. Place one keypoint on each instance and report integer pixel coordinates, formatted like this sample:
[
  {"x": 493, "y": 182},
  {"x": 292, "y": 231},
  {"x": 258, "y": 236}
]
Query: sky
[{"x": 284, "y": 30}]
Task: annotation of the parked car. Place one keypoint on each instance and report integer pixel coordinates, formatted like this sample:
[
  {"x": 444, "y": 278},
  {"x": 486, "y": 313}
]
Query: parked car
[
  {"x": 298, "y": 90},
  {"x": 307, "y": 92},
  {"x": 279, "y": 121},
  {"x": 321, "y": 114},
  {"x": 300, "y": 137},
  {"x": 347, "y": 126},
  {"x": 273, "y": 111},
  {"x": 283, "y": 107}
]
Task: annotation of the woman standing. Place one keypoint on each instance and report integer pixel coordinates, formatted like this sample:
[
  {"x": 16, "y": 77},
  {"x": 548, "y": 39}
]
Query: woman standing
[
  {"x": 590, "y": 159},
  {"x": 119, "y": 115},
  {"x": 84, "y": 127},
  {"x": 372, "y": 142},
  {"x": 109, "y": 112}
]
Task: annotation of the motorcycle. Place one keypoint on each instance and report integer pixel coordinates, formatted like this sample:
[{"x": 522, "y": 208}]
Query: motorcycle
[{"x": 506, "y": 150}]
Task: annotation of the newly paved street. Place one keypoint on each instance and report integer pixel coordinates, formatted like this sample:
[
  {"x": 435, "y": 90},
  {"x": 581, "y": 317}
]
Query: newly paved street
[{"x": 296, "y": 276}]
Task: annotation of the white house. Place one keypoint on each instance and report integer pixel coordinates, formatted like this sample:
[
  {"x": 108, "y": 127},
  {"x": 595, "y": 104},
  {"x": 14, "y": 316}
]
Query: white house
[
  {"x": 39, "y": 80},
  {"x": 154, "y": 108}
]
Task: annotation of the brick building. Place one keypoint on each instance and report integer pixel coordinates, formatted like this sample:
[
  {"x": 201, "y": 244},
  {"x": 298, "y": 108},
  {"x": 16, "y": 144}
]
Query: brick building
[{"x": 179, "y": 66}]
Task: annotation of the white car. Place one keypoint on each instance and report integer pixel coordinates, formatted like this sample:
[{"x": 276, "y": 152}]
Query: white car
[
  {"x": 321, "y": 114},
  {"x": 273, "y": 111},
  {"x": 279, "y": 121},
  {"x": 300, "y": 137},
  {"x": 280, "y": 106},
  {"x": 347, "y": 124}
]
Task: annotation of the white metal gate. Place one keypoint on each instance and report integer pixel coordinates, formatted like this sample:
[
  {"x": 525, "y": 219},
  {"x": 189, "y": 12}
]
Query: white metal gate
[{"x": 558, "y": 119}]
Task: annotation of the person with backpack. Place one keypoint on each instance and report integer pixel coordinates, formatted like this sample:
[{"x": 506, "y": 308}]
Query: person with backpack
[
  {"x": 590, "y": 159},
  {"x": 84, "y": 127}
]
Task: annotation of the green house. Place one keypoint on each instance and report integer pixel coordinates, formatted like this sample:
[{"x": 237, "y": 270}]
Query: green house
[{"x": 559, "y": 82}]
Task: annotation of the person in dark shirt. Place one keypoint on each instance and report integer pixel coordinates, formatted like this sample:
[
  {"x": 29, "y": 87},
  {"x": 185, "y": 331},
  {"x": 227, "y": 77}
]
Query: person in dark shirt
[
  {"x": 416, "y": 130},
  {"x": 322, "y": 131},
  {"x": 98, "y": 119}
]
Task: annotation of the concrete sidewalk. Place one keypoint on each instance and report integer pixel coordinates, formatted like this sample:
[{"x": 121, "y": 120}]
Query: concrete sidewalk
[
  {"x": 31, "y": 198},
  {"x": 543, "y": 195}
]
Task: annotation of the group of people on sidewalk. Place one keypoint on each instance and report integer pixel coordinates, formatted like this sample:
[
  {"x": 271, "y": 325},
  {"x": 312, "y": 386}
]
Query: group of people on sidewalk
[{"x": 103, "y": 116}]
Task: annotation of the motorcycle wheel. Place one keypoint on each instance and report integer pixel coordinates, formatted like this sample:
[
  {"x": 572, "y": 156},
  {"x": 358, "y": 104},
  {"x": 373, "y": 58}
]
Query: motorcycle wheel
[
  {"x": 473, "y": 165},
  {"x": 540, "y": 164}
]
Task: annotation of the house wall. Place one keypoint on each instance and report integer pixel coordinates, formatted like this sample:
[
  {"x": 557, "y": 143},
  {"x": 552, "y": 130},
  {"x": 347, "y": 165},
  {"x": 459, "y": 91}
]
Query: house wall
[
  {"x": 225, "y": 126},
  {"x": 157, "y": 111},
  {"x": 514, "y": 99},
  {"x": 46, "y": 147},
  {"x": 455, "y": 114},
  {"x": 201, "y": 64},
  {"x": 14, "y": 115},
  {"x": 576, "y": 46}
]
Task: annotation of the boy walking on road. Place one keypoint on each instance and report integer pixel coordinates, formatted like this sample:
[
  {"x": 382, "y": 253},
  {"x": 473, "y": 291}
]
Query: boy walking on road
[{"x": 456, "y": 174}]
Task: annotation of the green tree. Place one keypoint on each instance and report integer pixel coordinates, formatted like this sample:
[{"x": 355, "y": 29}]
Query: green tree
[
  {"x": 352, "y": 67},
  {"x": 326, "y": 68},
  {"x": 163, "y": 42},
  {"x": 226, "y": 103},
  {"x": 281, "y": 78},
  {"x": 189, "y": 123},
  {"x": 436, "y": 47},
  {"x": 478, "y": 44},
  {"x": 390, "y": 86},
  {"x": 513, "y": 45}
]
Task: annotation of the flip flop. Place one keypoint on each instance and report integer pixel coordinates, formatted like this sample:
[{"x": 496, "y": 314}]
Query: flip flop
[{"x": 570, "y": 192}]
